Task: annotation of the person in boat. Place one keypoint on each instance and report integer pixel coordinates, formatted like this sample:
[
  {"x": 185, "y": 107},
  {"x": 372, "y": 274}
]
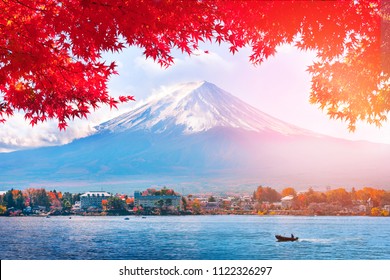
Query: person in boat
[{"x": 292, "y": 236}]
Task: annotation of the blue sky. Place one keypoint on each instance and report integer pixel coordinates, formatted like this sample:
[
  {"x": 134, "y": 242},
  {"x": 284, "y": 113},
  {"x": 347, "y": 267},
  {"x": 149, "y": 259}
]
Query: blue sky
[{"x": 280, "y": 87}]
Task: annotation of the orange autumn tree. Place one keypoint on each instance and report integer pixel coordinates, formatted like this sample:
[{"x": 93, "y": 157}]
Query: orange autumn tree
[
  {"x": 130, "y": 200},
  {"x": 266, "y": 194},
  {"x": 50, "y": 51},
  {"x": 104, "y": 204},
  {"x": 37, "y": 197},
  {"x": 288, "y": 191},
  {"x": 54, "y": 198},
  {"x": 370, "y": 194},
  {"x": 339, "y": 195}
]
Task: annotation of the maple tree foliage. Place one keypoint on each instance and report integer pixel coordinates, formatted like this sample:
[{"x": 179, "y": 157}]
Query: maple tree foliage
[
  {"x": 50, "y": 51},
  {"x": 288, "y": 191}
]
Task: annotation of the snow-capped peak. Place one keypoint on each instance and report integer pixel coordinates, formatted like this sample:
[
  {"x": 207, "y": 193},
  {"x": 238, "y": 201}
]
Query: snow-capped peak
[{"x": 195, "y": 107}]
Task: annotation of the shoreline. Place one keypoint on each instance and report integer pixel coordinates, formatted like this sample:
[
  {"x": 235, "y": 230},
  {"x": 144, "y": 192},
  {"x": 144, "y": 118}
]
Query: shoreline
[{"x": 144, "y": 216}]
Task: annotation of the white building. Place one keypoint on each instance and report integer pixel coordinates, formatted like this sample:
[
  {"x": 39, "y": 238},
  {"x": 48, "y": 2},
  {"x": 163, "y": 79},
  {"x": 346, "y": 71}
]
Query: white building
[
  {"x": 77, "y": 206},
  {"x": 93, "y": 199},
  {"x": 287, "y": 201}
]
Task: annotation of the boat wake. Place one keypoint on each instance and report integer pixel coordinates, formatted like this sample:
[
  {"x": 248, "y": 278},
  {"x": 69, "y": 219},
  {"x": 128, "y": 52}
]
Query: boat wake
[{"x": 317, "y": 240}]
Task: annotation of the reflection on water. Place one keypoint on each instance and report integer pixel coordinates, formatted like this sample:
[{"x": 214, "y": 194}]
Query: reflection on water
[{"x": 194, "y": 237}]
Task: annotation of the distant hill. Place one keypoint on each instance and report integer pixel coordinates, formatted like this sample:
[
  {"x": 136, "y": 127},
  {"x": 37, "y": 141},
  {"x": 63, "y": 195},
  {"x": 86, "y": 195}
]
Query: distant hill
[{"x": 201, "y": 137}]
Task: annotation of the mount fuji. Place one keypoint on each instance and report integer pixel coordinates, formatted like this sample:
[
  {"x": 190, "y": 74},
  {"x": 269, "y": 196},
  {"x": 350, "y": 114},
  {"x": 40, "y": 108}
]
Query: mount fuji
[
  {"x": 198, "y": 107},
  {"x": 200, "y": 136}
]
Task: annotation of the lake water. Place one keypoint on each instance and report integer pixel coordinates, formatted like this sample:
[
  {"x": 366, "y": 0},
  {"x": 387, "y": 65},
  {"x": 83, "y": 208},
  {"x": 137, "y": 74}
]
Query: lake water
[{"x": 194, "y": 237}]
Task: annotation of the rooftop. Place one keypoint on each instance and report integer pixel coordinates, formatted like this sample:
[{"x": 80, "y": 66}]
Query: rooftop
[
  {"x": 96, "y": 193},
  {"x": 287, "y": 198}
]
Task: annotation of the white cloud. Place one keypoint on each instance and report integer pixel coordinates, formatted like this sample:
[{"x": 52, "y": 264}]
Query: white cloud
[{"x": 17, "y": 133}]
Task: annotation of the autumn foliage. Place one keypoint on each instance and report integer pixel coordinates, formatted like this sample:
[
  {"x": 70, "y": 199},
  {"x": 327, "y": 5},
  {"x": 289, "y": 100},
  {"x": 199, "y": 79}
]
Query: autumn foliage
[
  {"x": 266, "y": 194},
  {"x": 338, "y": 196},
  {"x": 50, "y": 51}
]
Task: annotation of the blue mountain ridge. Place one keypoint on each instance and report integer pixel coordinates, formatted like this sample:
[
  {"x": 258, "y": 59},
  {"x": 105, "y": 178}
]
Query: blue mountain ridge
[{"x": 198, "y": 137}]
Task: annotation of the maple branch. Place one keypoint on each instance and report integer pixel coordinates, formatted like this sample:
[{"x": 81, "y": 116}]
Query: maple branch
[
  {"x": 27, "y": 6},
  {"x": 68, "y": 37}
]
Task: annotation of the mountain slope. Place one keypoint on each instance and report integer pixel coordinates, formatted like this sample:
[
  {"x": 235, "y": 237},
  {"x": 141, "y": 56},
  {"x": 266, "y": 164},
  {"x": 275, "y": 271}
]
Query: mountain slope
[
  {"x": 197, "y": 107},
  {"x": 199, "y": 135}
]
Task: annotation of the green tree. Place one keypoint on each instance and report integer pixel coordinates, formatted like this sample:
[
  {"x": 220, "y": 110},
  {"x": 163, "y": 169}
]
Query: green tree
[
  {"x": 66, "y": 205},
  {"x": 19, "y": 200},
  {"x": 41, "y": 198},
  {"x": 37, "y": 197},
  {"x": 67, "y": 196},
  {"x": 9, "y": 199},
  {"x": 75, "y": 197},
  {"x": 71, "y": 197},
  {"x": 184, "y": 203},
  {"x": 115, "y": 203}
]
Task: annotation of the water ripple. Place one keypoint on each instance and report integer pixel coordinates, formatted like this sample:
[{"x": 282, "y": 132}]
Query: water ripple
[{"x": 194, "y": 237}]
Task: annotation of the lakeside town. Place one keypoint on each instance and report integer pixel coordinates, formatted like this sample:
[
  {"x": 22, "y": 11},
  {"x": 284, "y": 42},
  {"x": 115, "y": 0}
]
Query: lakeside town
[{"x": 166, "y": 201}]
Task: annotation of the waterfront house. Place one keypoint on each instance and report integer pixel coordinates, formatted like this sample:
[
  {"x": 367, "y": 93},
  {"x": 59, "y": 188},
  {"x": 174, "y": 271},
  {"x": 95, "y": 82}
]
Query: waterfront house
[
  {"x": 27, "y": 210},
  {"x": 278, "y": 205},
  {"x": 362, "y": 208},
  {"x": 370, "y": 203},
  {"x": 287, "y": 201},
  {"x": 93, "y": 199},
  {"x": 211, "y": 206},
  {"x": 38, "y": 209},
  {"x": 76, "y": 207},
  {"x": 152, "y": 200}
]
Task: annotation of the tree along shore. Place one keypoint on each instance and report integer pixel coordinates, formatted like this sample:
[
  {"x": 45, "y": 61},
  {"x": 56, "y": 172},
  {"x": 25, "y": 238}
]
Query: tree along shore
[{"x": 263, "y": 201}]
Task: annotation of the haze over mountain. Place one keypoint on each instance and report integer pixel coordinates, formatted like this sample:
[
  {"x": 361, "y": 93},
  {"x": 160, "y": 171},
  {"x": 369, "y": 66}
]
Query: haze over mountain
[
  {"x": 198, "y": 107},
  {"x": 200, "y": 137}
]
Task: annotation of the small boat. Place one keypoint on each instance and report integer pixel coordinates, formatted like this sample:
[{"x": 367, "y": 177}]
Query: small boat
[
  {"x": 127, "y": 218},
  {"x": 281, "y": 238}
]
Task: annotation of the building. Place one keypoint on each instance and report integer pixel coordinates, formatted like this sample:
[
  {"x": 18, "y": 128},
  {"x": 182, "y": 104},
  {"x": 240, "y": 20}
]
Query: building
[
  {"x": 287, "y": 201},
  {"x": 152, "y": 201},
  {"x": 77, "y": 206},
  {"x": 93, "y": 199},
  {"x": 211, "y": 206}
]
